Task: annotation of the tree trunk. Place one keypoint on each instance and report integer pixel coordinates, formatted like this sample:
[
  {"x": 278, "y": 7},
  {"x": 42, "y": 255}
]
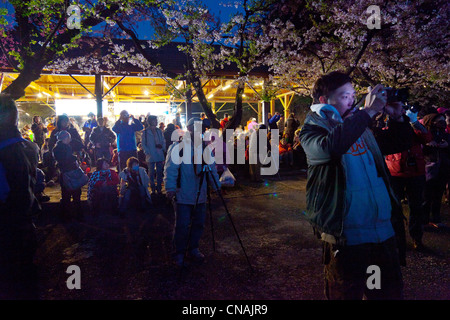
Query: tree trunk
[
  {"x": 236, "y": 118},
  {"x": 29, "y": 74},
  {"x": 197, "y": 84}
]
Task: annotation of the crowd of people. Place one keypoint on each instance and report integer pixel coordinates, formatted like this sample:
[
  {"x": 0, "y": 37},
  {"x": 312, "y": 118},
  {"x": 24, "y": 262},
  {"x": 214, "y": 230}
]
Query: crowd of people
[{"x": 404, "y": 155}]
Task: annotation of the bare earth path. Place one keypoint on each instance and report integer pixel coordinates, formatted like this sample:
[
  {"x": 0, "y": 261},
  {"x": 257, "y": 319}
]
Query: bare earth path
[{"x": 130, "y": 258}]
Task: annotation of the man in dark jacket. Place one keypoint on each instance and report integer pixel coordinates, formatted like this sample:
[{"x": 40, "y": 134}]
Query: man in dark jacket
[
  {"x": 437, "y": 159},
  {"x": 349, "y": 198},
  {"x": 39, "y": 131},
  {"x": 290, "y": 127},
  {"x": 102, "y": 137},
  {"x": 18, "y": 274},
  {"x": 407, "y": 169}
]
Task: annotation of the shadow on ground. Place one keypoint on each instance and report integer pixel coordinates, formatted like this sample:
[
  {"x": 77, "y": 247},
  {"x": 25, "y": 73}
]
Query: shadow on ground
[{"x": 130, "y": 258}]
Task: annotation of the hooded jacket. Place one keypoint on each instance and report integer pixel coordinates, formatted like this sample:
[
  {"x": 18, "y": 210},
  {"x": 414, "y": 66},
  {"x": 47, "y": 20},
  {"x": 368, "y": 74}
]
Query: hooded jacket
[
  {"x": 327, "y": 140},
  {"x": 149, "y": 142}
]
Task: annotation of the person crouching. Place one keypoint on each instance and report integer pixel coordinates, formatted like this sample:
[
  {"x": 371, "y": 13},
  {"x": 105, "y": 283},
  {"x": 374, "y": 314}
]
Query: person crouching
[
  {"x": 134, "y": 187},
  {"x": 102, "y": 190}
]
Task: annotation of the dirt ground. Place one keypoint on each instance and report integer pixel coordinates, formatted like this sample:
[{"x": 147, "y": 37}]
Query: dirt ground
[{"x": 130, "y": 259}]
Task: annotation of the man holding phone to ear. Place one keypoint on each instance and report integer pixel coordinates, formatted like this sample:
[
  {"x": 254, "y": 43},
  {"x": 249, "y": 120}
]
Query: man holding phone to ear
[
  {"x": 125, "y": 129},
  {"x": 349, "y": 197}
]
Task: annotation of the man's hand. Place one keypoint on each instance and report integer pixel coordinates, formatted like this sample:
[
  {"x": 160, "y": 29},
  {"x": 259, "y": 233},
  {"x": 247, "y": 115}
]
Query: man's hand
[
  {"x": 170, "y": 194},
  {"x": 411, "y": 115},
  {"x": 375, "y": 100}
]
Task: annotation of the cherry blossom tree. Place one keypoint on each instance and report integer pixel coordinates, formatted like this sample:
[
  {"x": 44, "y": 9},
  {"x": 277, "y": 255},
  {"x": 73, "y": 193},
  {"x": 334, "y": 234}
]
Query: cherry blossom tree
[
  {"x": 37, "y": 32},
  {"x": 410, "y": 46},
  {"x": 210, "y": 44}
]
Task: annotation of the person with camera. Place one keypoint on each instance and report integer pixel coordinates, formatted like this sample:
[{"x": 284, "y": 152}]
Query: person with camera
[
  {"x": 125, "y": 129},
  {"x": 182, "y": 180},
  {"x": 349, "y": 198},
  {"x": 437, "y": 168},
  {"x": 101, "y": 138},
  {"x": 154, "y": 146},
  {"x": 407, "y": 169}
]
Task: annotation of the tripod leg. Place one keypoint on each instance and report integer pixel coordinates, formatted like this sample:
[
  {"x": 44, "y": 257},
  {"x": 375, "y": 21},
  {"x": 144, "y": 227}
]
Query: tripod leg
[
  {"x": 211, "y": 221},
  {"x": 190, "y": 224},
  {"x": 231, "y": 220}
]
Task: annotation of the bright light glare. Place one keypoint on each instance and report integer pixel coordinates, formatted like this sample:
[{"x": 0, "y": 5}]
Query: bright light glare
[
  {"x": 78, "y": 107},
  {"x": 142, "y": 108}
]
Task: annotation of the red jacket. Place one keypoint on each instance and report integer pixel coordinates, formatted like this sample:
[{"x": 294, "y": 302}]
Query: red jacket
[
  {"x": 114, "y": 181},
  {"x": 410, "y": 163},
  {"x": 282, "y": 149},
  {"x": 223, "y": 123}
]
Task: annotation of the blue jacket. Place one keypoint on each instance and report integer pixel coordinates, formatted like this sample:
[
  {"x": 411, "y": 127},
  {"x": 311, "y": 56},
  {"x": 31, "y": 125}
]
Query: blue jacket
[
  {"x": 126, "y": 137},
  {"x": 343, "y": 205},
  {"x": 273, "y": 121}
]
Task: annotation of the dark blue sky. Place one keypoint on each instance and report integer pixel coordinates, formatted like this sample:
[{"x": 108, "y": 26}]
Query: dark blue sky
[{"x": 224, "y": 12}]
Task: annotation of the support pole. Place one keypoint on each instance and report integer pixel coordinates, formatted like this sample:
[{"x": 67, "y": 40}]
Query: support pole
[
  {"x": 265, "y": 109},
  {"x": 272, "y": 107},
  {"x": 99, "y": 95},
  {"x": 260, "y": 103},
  {"x": 188, "y": 104},
  {"x": 1, "y": 82}
]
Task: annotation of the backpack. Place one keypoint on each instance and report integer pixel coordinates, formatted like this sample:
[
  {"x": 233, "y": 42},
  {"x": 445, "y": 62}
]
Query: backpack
[{"x": 4, "y": 186}]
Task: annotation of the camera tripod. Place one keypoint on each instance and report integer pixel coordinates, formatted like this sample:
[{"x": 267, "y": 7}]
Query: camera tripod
[{"x": 206, "y": 173}]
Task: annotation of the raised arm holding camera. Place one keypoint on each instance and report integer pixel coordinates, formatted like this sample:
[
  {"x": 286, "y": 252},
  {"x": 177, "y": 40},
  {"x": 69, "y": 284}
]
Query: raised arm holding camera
[
  {"x": 348, "y": 194},
  {"x": 125, "y": 129}
]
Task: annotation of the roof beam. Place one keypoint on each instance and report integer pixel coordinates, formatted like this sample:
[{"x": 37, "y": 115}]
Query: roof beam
[
  {"x": 33, "y": 85},
  {"x": 221, "y": 87}
]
